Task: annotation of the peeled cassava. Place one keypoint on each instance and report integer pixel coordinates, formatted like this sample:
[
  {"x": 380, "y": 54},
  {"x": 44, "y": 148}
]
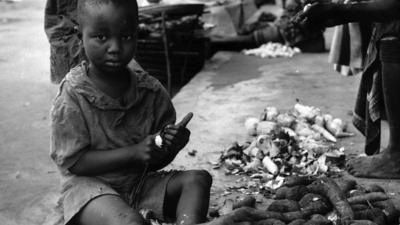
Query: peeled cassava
[
  {"x": 303, "y": 129},
  {"x": 267, "y": 127},
  {"x": 307, "y": 112},
  {"x": 285, "y": 120},
  {"x": 269, "y": 165},
  {"x": 269, "y": 114},
  {"x": 338, "y": 128},
  {"x": 251, "y": 125}
]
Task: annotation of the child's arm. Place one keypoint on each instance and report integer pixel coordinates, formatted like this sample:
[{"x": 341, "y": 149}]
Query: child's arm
[{"x": 94, "y": 162}]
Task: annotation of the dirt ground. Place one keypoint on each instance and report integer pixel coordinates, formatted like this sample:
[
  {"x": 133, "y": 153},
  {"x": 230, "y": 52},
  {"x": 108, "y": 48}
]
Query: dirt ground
[{"x": 230, "y": 88}]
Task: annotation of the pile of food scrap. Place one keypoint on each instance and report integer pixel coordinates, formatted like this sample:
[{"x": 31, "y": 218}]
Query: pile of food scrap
[
  {"x": 273, "y": 50},
  {"x": 299, "y": 141},
  {"x": 307, "y": 200}
]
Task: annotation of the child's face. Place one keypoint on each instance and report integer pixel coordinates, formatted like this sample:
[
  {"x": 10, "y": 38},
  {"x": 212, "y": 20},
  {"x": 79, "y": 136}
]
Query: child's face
[{"x": 109, "y": 36}]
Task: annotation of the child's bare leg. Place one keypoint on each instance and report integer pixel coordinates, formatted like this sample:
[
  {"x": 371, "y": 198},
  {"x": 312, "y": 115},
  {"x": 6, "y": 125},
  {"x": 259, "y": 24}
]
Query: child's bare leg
[
  {"x": 187, "y": 197},
  {"x": 387, "y": 163},
  {"x": 108, "y": 210}
]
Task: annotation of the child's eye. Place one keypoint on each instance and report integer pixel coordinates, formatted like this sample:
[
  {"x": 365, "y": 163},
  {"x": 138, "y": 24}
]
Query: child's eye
[
  {"x": 101, "y": 37},
  {"x": 127, "y": 37}
]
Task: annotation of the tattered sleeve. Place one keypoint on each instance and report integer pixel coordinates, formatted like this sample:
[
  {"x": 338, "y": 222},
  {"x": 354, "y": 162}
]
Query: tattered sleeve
[{"x": 69, "y": 134}]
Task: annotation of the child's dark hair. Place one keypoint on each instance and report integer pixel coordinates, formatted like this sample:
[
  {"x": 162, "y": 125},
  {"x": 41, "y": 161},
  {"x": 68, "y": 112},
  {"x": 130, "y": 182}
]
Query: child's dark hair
[{"x": 84, "y": 4}]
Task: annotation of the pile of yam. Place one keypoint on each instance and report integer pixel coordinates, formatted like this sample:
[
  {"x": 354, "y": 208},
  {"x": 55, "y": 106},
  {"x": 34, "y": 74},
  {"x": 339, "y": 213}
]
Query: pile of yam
[{"x": 320, "y": 201}]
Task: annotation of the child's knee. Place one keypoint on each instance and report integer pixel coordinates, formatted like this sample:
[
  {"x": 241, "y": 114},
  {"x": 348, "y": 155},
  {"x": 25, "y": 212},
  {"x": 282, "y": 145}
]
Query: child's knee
[{"x": 199, "y": 178}]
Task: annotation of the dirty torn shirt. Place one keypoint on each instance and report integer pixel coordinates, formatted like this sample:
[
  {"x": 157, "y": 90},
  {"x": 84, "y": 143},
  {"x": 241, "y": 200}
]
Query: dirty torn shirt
[{"x": 84, "y": 118}]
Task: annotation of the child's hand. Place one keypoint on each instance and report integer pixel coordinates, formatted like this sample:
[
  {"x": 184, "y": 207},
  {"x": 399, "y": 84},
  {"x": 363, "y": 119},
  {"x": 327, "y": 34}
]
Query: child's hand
[
  {"x": 146, "y": 150},
  {"x": 175, "y": 137}
]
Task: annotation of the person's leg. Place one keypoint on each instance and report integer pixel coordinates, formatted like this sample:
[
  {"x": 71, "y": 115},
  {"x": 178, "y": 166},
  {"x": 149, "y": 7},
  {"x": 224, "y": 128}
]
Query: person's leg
[
  {"x": 187, "y": 197},
  {"x": 108, "y": 210},
  {"x": 387, "y": 163}
]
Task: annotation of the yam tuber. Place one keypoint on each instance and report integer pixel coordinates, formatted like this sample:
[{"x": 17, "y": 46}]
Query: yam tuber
[
  {"x": 362, "y": 222},
  {"x": 244, "y": 214},
  {"x": 213, "y": 213},
  {"x": 358, "y": 207},
  {"x": 298, "y": 180},
  {"x": 297, "y": 222},
  {"x": 311, "y": 200},
  {"x": 374, "y": 188},
  {"x": 226, "y": 208},
  {"x": 290, "y": 216},
  {"x": 346, "y": 185},
  {"x": 318, "y": 206},
  {"x": 374, "y": 214},
  {"x": 284, "y": 205},
  {"x": 270, "y": 222},
  {"x": 355, "y": 192},
  {"x": 318, "y": 219},
  {"x": 248, "y": 201},
  {"x": 368, "y": 198},
  {"x": 291, "y": 193},
  {"x": 388, "y": 208},
  {"x": 328, "y": 188}
]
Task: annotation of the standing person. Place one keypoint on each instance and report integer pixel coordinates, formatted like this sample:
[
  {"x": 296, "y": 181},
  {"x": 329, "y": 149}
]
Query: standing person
[
  {"x": 282, "y": 30},
  {"x": 104, "y": 124},
  {"x": 60, "y": 23},
  {"x": 379, "y": 92}
]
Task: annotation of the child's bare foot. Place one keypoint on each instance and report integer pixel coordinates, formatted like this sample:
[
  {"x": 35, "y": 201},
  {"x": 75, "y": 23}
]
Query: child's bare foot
[{"x": 385, "y": 165}]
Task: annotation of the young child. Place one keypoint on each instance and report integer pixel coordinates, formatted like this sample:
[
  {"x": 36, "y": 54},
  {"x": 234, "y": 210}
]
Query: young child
[{"x": 104, "y": 122}]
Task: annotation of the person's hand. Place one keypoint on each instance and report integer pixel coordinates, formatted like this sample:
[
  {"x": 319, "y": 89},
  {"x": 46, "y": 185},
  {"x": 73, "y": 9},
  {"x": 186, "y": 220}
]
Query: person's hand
[
  {"x": 146, "y": 151},
  {"x": 175, "y": 137},
  {"x": 305, "y": 2},
  {"x": 317, "y": 15}
]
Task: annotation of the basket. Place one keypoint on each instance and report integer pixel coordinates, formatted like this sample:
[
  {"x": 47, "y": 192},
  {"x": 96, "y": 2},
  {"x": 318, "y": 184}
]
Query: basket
[{"x": 185, "y": 38}]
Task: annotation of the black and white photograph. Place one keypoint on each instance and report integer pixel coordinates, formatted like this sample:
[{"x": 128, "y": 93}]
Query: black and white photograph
[{"x": 200, "y": 112}]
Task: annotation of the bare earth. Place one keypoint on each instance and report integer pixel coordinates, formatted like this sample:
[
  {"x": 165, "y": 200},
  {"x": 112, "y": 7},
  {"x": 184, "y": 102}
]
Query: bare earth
[{"x": 229, "y": 89}]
